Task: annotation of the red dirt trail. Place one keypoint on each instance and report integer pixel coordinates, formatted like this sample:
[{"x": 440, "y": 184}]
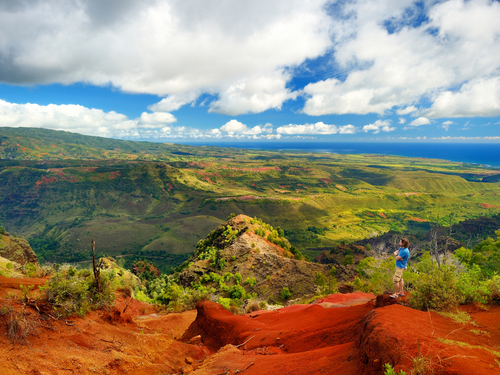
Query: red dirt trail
[{"x": 339, "y": 334}]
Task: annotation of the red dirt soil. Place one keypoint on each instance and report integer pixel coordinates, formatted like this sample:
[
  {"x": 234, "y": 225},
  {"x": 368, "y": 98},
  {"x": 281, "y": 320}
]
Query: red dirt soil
[{"x": 339, "y": 334}]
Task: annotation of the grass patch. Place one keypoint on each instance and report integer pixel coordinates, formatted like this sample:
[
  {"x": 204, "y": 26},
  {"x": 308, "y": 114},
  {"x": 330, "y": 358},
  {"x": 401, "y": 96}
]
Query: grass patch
[
  {"x": 457, "y": 316},
  {"x": 468, "y": 346}
]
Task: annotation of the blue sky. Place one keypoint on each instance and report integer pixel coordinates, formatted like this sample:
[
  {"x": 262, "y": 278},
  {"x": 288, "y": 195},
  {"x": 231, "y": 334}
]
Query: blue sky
[{"x": 198, "y": 71}]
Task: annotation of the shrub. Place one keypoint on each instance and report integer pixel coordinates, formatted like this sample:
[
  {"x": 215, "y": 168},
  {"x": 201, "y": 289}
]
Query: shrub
[
  {"x": 348, "y": 259},
  {"x": 251, "y": 281},
  {"x": 224, "y": 302},
  {"x": 74, "y": 292},
  {"x": 285, "y": 293},
  {"x": 472, "y": 287},
  {"x": 436, "y": 290},
  {"x": 237, "y": 292}
]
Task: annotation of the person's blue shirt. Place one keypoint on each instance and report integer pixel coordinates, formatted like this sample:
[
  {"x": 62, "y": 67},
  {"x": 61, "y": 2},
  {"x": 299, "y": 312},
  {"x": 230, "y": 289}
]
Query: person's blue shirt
[{"x": 405, "y": 254}]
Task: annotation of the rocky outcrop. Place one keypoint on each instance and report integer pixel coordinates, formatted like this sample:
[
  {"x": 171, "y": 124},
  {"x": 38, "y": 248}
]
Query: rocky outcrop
[
  {"x": 17, "y": 249},
  {"x": 245, "y": 252}
]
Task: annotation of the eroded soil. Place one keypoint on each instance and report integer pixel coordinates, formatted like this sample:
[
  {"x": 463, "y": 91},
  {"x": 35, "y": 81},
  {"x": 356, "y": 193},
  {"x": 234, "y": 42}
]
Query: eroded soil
[{"x": 339, "y": 334}]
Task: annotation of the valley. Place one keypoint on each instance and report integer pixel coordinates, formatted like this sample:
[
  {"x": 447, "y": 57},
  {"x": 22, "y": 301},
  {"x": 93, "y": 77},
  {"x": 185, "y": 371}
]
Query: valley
[{"x": 156, "y": 201}]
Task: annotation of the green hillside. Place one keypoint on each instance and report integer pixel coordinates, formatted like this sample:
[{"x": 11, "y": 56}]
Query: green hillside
[{"x": 155, "y": 201}]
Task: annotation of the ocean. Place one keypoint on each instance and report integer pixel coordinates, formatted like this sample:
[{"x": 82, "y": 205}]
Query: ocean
[{"x": 486, "y": 154}]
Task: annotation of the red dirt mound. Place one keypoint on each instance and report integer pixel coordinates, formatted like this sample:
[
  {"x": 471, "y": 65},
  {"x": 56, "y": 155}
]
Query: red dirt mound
[
  {"x": 400, "y": 336},
  {"x": 344, "y": 300},
  {"x": 299, "y": 339}
]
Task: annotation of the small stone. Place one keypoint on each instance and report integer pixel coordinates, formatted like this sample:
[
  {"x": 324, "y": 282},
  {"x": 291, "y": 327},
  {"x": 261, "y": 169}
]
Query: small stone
[
  {"x": 195, "y": 340},
  {"x": 187, "y": 369},
  {"x": 189, "y": 360}
]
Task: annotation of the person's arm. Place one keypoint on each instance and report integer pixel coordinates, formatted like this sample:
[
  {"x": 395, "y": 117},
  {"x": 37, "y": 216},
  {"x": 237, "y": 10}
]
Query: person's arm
[{"x": 396, "y": 254}]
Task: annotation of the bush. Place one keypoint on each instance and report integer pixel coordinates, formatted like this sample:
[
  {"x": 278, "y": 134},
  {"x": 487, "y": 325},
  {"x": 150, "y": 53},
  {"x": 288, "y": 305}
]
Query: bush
[
  {"x": 237, "y": 292},
  {"x": 285, "y": 293},
  {"x": 251, "y": 281},
  {"x": 74, "y": 292},
  {"x": 224, "y": 302},
  {"x": 472, "y": 287},
  {"x": 436, "y": 290},
  {"x": 348, "y": 259}
]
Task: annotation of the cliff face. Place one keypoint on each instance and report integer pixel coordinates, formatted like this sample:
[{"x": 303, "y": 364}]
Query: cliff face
[
  {"x": 271, "y": 266},
  {"x": 17, "y": 249}
]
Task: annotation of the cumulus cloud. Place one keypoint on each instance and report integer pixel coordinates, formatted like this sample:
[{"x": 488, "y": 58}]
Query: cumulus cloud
[
  {"x": 233, "y": 49},
  {"x": 378, "y": 126},
  {"x": 73, "y": 118},
  {"x": 254, "y": 95},
  {"x": 156, "y": 119},
  {"x": 317, "y": 128},
  {"x": 420, "y": 121},
  {"x": 390, "y": 63},
  {"x": 237, "y": 129},
  {"x": 402, "y": 120},
  {"x": 478, "y": 98}
]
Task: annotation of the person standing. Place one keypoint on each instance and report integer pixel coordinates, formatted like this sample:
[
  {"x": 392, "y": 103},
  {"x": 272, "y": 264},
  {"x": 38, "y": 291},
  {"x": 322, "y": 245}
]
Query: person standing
[{"x": 402, "y": 255}]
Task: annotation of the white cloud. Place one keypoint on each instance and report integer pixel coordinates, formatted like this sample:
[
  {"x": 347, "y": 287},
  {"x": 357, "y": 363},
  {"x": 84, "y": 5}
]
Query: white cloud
[
  {"x": 238, "y": 129},
  {"x": 73, "y": 118},
  {"x": 420, "y": 121},
  {"x": 155, "y": 119},
  {"x": 173, "y": 102},
  {"x": 233, "y": 49},
  {"x": 234, "y": 126},
  {"x": 407, "y": 110},
  {"x": 378, "y": 126},
  {"x": 254, "y": 95},
  {"x": 402, "y": 120},
  {"x": 317, "y": 128},
  {"x": 478, "y": 98},
  {"x": 387, "y": 69}
]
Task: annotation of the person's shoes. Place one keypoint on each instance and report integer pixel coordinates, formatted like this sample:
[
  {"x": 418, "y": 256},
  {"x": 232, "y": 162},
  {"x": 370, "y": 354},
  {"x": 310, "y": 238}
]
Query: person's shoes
[
  {"x": 401, "y": 294},
  {"x": 393, "y": 296}
]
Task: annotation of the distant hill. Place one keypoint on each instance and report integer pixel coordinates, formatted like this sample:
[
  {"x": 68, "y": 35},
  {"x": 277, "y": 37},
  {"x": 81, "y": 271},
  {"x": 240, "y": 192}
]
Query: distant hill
[{"x": 46, "y": 144}]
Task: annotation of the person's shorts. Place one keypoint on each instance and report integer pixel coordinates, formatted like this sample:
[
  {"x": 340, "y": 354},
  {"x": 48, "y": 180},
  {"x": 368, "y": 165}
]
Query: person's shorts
[{"x": 398, "y": 275}]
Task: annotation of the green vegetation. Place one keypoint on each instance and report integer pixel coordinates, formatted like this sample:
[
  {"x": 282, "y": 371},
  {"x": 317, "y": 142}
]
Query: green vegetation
[
  {"x": 74, "y": 292},
  {"x": 439, "y": 287},
  {"x": 154, "y": 201},
  {"x": 285, "y": 293}
]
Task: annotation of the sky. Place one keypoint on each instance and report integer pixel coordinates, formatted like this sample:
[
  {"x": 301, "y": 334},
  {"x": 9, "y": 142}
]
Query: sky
[{"x": 259, "y": 70}]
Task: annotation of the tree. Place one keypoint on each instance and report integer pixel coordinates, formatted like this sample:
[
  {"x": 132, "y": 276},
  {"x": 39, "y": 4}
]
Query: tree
[{"x": 434, "y": 233}]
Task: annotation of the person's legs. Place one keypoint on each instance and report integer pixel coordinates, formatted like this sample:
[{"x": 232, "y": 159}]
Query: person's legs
[
  {"x": 401, "y": 287},
  {"x": 398, "y": 276}
]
